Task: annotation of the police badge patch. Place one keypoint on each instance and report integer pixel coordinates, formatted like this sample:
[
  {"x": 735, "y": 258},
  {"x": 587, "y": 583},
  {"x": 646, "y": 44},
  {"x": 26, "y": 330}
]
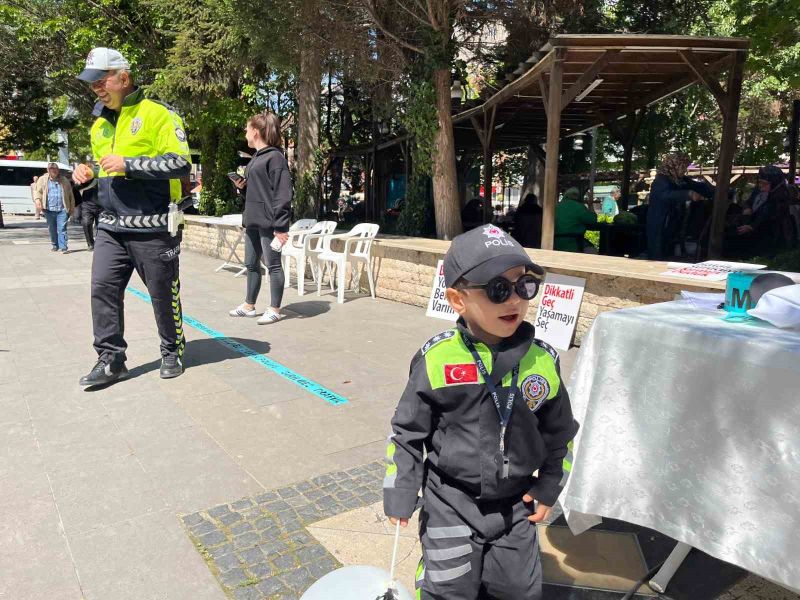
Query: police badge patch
[
  {"x": 535, "y": 390},
  {"x": 180, "y": 134},
  {"x": 136, "y": 125}
]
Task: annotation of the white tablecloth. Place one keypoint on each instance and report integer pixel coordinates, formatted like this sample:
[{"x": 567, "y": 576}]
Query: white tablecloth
[{"x": 690, "y": 425}]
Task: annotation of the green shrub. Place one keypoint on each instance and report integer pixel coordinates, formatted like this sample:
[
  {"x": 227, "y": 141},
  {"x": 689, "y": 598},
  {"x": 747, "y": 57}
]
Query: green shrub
[{"x": 625, "y": 218}]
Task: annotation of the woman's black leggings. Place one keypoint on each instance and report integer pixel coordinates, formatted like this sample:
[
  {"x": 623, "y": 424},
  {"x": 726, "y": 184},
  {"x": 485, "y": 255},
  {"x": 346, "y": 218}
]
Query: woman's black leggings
[{"x": 256, "y": 245}]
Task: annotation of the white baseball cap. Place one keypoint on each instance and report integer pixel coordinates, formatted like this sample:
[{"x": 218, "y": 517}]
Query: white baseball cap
[{"x": 100, "y": 61}]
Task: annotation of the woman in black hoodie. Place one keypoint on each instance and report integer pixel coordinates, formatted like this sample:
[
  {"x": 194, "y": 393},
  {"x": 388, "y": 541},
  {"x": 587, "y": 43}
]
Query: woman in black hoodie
[{"x": 267, "y": 206}]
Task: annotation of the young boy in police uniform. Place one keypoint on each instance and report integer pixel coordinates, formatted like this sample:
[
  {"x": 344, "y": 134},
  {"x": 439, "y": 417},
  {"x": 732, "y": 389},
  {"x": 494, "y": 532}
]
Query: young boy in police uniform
[{"x": 486, "y": 402}]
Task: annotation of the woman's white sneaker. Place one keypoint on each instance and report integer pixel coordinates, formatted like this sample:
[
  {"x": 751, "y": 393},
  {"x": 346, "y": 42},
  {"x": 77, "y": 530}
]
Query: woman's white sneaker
[
  {"x": 269, "y": 316},
  {"x": 242, "y": 311}
]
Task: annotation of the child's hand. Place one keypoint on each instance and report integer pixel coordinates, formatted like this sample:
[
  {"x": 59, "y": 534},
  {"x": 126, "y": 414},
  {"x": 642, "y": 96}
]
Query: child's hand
[
  {"x": 542, "y": 511},
  {"x": 403, "y": 522}
]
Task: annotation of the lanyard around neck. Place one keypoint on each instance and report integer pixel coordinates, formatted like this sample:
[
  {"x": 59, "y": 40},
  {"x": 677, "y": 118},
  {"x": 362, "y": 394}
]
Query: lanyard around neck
[{"x": 504, "y": 412}]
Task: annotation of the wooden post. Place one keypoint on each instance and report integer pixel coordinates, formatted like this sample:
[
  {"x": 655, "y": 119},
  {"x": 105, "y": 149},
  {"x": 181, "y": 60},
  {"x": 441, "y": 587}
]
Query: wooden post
[
  {"x": 730, "y": 111},
  {"x": 551, "y": 150}
]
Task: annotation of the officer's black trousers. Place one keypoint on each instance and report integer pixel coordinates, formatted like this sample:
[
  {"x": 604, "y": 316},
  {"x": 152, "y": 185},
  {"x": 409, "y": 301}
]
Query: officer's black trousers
[
  {"x": 476, "y": 550},
  {"x": 155, "y": 258}
]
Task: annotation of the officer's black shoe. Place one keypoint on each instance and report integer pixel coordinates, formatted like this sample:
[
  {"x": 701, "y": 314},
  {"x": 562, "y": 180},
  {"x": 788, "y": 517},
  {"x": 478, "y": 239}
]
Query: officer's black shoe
[
  {"x": 102, "y": 374},
  {"x": 171, "y": 366}
]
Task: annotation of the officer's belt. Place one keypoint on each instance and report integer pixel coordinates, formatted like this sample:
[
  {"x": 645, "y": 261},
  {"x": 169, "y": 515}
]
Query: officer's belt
[{"x": 135, "y": 221}]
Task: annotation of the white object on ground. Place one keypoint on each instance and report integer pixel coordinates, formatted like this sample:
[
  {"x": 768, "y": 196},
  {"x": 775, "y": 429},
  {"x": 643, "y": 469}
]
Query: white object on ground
[
  {"x": 780, "y": 306},
  {"x": 354, "y": 583},
  {"x": 241, "y": 311},
  {"x": 704, "y": 300}
]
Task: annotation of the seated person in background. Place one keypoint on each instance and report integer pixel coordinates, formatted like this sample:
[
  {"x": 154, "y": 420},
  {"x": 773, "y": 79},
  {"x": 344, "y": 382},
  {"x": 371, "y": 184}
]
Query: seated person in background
[
  {"x": 528, "y": 222},
  {"x": 668, "y": 196},
  {"x": 609, "y": 207},
  {"x": 572, "y": 218},
  {"x": 762, "y": 228}
]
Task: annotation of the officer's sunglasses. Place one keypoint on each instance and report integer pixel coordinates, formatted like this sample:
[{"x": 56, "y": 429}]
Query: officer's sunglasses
[
  {"x": 499, "y": 289},
  {"x": 100, "y": 83}
]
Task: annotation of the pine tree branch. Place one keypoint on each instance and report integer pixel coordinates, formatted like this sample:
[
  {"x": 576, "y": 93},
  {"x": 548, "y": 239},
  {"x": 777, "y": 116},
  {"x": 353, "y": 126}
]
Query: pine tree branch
[{"x": 368, "y": 4}]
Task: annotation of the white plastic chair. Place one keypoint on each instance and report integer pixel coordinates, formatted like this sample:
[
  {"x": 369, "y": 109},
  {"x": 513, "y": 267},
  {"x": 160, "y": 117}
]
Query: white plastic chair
[
  {"x": 300, "y": 247},
  {"x": 357, "y": 250},
  {"x": 302, "y": 224}
]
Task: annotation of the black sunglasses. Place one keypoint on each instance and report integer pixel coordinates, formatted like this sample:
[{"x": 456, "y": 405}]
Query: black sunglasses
[{"x": 499, "y": 289}]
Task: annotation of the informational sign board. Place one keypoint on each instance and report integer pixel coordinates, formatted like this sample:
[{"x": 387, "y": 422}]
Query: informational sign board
[
  {"x": 559, "y": 305},
  {"x": 437, "y": 304},
  {"x": 710, "y": 270}
]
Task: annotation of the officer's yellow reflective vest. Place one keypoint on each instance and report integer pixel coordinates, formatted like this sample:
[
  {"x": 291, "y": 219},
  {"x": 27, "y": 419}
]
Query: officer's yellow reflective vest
[{"x": 151, "y": 138}]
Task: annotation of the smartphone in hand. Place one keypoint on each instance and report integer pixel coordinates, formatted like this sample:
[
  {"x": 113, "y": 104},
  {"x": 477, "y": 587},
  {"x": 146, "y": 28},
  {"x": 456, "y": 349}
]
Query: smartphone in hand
[{"x": 235, "y": 177}]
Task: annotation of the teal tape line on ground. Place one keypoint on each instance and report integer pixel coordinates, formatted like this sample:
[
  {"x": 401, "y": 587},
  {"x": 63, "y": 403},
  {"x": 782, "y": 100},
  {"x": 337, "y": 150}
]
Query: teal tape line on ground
[{"x": 307, "y": 384}]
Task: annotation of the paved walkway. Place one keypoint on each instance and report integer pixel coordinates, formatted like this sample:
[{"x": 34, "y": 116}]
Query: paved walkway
[
  {"x": 90, "y": 482},
  {"x": 107, "y": 495}
]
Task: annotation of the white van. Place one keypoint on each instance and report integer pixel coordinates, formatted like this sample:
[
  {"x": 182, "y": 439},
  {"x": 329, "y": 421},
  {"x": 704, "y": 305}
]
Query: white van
[{"x": 16, "y": 177}]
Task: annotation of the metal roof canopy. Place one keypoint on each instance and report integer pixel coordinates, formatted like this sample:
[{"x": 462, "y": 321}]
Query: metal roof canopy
[{"x": 583, "y": 81}]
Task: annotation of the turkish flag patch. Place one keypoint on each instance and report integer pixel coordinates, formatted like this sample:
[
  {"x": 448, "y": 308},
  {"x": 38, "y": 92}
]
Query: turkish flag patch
[{"x": 458, "y": 374}]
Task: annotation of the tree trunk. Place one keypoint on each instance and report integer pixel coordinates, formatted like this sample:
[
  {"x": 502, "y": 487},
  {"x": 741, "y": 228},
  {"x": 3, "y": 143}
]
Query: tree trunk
[
  {"x": 309, "y": 94},
  {"x": 445, "y": 186},
  {"x": 345, "y": 137}
]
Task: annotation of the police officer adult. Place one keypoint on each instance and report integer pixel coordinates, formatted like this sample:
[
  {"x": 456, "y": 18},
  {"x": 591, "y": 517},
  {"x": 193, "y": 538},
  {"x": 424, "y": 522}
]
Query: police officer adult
[{"x": 140, "y": 147}]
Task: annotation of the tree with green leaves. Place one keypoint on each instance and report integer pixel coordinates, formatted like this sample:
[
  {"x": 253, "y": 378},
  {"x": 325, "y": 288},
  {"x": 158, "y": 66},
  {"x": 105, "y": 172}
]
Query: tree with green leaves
[{"x": 425, "y": 34}]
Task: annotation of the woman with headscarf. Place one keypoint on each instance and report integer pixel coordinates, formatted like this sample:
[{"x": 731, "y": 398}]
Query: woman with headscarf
[
  {"x": 668, "y": 196},
  {"x": 572, "y": 219},
  {"x": 766, "y": 223}
]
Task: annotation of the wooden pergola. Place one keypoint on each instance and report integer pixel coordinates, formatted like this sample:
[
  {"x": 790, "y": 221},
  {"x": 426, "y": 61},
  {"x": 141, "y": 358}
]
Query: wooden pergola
[{"x": 577, "y": 82}]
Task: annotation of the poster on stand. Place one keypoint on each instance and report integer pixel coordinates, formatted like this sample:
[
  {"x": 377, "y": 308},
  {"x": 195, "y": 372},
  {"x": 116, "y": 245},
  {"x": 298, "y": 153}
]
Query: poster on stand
[
  {"x": 559, "y": 307},
  {"x": 437, "y": 303}
]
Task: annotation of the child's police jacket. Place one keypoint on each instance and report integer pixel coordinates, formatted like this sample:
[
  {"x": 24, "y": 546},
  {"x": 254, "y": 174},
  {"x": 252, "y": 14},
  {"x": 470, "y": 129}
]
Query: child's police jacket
[{"x": 447, "y": 411}]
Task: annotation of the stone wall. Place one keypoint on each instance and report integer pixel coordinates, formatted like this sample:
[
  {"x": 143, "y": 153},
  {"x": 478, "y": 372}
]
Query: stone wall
[
  {"x": 211, "y": 239},
  {"x": 405, "y": 270}
]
